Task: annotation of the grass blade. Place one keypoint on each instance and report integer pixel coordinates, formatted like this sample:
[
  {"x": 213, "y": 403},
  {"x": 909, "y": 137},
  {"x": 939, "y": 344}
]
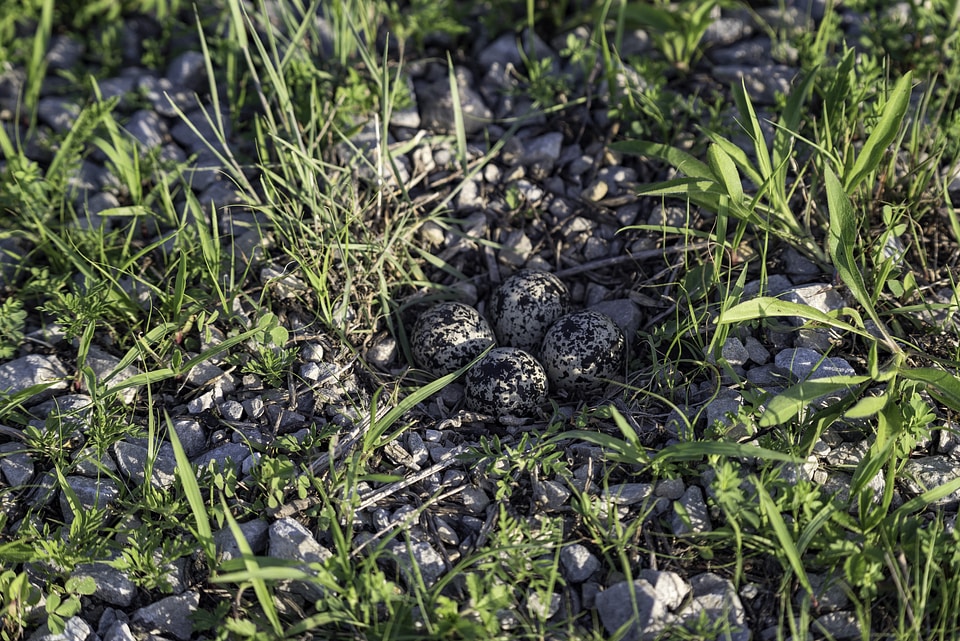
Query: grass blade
[
  {"x": 787, "y": 544},
  {"x": 192, "y": 490}
]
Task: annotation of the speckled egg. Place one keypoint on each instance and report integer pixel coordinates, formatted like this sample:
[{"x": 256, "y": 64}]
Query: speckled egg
[
  {"x": 525, "y": 306},
  {"x": 579, "y": 350},
  {"x": 506, "y": 381},
  {"x": 448, "y": 336}
]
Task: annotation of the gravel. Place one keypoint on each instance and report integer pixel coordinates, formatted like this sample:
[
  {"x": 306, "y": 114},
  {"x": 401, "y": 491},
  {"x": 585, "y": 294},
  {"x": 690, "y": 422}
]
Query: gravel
[{"x": 581, "y": 193}]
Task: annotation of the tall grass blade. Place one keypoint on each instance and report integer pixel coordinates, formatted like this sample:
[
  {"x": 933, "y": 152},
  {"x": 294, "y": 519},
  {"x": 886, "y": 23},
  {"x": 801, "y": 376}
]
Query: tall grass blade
[{"x": 787, "y": 544}]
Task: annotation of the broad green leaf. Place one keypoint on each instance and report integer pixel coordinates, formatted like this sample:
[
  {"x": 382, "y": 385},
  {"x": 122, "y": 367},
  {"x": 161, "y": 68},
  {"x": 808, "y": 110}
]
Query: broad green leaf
[
  {"x": 943, "y": 386},
  {"x": 788, "y": 403},
  {"x": 882, "y": 135},
  {"x": 724, "y": 168},
  {"x": 867, "y": 406},
  {"x": 767, "y": 307},
  {"x": 738, "y": 156}
]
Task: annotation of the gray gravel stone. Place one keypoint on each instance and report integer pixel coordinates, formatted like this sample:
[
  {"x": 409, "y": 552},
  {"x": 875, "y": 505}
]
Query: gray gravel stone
[
  {"x": 820, "y": 296},
  {"x": 671, "y": 489},
  {"x": 15, "y": 464},
  {"x": 763, "y": 83},
  {"x": 170, "y": 615},
  {"x": 670, "y": 587},
  {"x": 91, "y": 493},
  {"x": 117, "y": 631},
  {"x": 75, "y": 629},
  {"x": 579, "y": 563},
  {"x": 132, "y": 459},
  {"x": 113, "y": 586},
  {"x": 104, "y": 365},
  {"x": 615, "y": 607},
  {"x": 734, "y": 351},
  {"x": 228, "y": 454},
  {"x": 551, "y": 495},
  {"x": 436, "y": 104},
  {"x": 188, "y": 70},
  {"x": 691, "y": 515},
  {"x": 625, "y": 313},
  {"x": 804, "y": 363},
  {"x": 839, "y": 625},
  {"x": 58, "y": 113},
  {"x": 717, "y": 597},
  {"x": 64, "y": 52},
  {"x": 255, "y": 532},
  {"x": 147, "y": 128},
  {"x": 418, "y": 559},
  {"x": 290, "y": 540},
  {"x": 474, "y": 500},
  {"x": 33, "y": 369},
  {"x": 627, "y": 493},
  {"x": 926, "y": 473}
]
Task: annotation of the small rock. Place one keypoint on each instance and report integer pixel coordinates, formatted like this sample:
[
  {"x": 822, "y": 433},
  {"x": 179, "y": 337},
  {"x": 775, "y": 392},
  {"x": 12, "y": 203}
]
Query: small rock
[
  {"x": 763, "y": 83},
  {"x": 839, "y": 625},
  {"x": 74, "y": 629},
  {"x": 671, "y": 489},
  {"x": 691, "y": 515},
  {"x": 929, "y": 472},
  {"x": 418, "y": 561},
  {"x": 716, "y": 597},
  {"x": 670, "y": 587},
  {"x": 552, "y": 496},
  {"x": 436, "y": 104},
  {"x": 627, "y": 493},
  {"x": 58, "y": 113},
  {"x": 171, "y": 615},
  {"x": 625, "y": 313},
  {"x": 734, "y": 351},
  {"x": 579, "y": 563},
  {"x": 616, "y": 606},
  {"x": 820, "y": 296},
  {"x": 15, "y": 464},
  {"x": 33, "y": 369},
  {"x": 474, "y": 500},
  {"x": 188, "y": 70},
  {"x": 147, "y": 128},
  {"x": 756, "y": 351},
  {"x": 803, "y": 363},
  {"x": 113, "y": 586},
  {"x": 91, "y": 493},
  {"x": 255, "y": 533},
  {"x": 233, "y": 454},
  {"x": 132, "y": 460}
]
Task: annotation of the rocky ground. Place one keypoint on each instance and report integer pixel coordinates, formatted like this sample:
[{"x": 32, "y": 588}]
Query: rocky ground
[{"x": 556, "y": 197}]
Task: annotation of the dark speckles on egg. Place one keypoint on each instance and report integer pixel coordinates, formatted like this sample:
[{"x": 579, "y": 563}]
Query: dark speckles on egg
[
  {"x": 506, "y": 381},
  {"x": 580, "y": 350},
  {"x": 524, "y": 307},
  {"x": 448, "y": 336}
]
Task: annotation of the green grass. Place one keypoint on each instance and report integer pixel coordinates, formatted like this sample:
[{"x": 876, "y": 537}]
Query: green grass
[{"x": 856, "y": 159}]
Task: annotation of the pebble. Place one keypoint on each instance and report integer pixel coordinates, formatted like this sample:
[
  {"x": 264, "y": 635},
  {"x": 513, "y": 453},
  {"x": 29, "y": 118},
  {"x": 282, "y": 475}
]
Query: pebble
[
  {"x": 578, "y": 562},
  {"x": 171, "y": 615}
]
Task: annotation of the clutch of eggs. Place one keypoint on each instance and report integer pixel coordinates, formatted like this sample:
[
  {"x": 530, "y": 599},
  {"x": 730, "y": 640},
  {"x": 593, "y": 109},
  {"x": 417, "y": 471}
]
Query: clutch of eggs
[{"x": 541, "y": 345}]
